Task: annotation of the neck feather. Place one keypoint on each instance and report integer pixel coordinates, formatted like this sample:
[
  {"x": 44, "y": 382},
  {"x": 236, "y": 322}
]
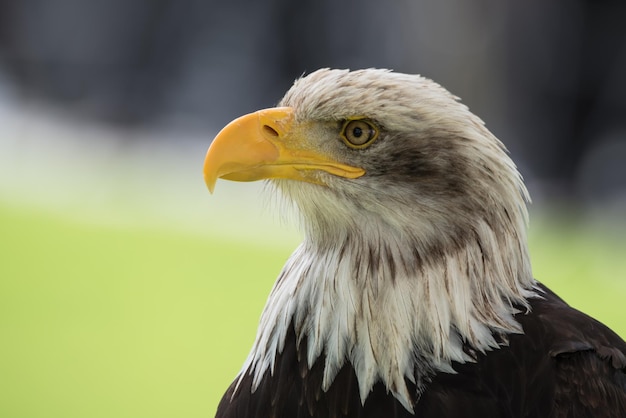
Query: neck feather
[{"x": 374, "y": 301}]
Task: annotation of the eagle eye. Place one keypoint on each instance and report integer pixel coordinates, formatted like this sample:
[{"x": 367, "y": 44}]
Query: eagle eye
[{"x": 358, "y": 133}]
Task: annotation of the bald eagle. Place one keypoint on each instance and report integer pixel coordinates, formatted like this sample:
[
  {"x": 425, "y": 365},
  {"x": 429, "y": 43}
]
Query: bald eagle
[{"x": 412, "y": 293}]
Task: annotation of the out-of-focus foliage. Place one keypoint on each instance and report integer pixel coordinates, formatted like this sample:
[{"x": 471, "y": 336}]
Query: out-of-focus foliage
[{"x": 143, "y": 322}]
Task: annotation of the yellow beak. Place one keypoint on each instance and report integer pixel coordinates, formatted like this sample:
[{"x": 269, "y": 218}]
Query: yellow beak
[{"x": 264, "y": 145}]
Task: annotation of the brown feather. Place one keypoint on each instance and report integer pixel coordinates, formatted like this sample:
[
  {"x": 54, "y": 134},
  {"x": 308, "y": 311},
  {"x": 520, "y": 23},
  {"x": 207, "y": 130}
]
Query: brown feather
[{"x": 532, "y": 377}]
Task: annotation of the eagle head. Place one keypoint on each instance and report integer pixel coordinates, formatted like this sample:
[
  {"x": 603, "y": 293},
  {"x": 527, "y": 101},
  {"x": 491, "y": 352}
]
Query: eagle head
[{"x": 414, "y": 220}]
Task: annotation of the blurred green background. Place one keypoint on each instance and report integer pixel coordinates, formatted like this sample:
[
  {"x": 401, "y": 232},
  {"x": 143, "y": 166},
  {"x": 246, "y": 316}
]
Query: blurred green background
[
  {"x": 121, "y": 322},
  {"x": 101, "y": 320}
]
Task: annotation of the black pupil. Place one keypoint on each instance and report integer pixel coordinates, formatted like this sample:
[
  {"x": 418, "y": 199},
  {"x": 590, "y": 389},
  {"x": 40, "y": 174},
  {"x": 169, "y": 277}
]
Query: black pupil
[{"x": 357, "y": 132}]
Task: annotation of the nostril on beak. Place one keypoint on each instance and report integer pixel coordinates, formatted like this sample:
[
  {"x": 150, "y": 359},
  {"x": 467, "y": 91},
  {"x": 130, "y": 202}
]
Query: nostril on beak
[{"x": 268, "y": 130}]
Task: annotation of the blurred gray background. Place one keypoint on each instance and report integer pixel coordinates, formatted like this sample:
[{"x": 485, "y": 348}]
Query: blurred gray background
[{"x": 548, "y": 77}]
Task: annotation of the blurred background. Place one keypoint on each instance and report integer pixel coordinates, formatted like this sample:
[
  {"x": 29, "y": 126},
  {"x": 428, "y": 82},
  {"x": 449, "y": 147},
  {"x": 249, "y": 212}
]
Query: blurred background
[{"x": 127, "y": 290}]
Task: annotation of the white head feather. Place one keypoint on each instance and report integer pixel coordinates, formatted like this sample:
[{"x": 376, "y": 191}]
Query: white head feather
[{"x": 401, "y": 268}]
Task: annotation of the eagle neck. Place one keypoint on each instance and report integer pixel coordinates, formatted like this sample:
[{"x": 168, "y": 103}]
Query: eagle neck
[{"x": 380, "y": 302}]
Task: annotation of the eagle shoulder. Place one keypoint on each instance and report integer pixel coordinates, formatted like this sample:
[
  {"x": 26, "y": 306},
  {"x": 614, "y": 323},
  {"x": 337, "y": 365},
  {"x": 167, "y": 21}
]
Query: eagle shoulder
[{"x": 589, "y": 361}]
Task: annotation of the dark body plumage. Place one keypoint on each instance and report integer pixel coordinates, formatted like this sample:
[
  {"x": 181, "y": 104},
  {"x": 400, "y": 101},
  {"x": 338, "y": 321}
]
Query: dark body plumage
[
  {"x": 566, "y": 364},
  {"x": 412, "y": 293}
]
